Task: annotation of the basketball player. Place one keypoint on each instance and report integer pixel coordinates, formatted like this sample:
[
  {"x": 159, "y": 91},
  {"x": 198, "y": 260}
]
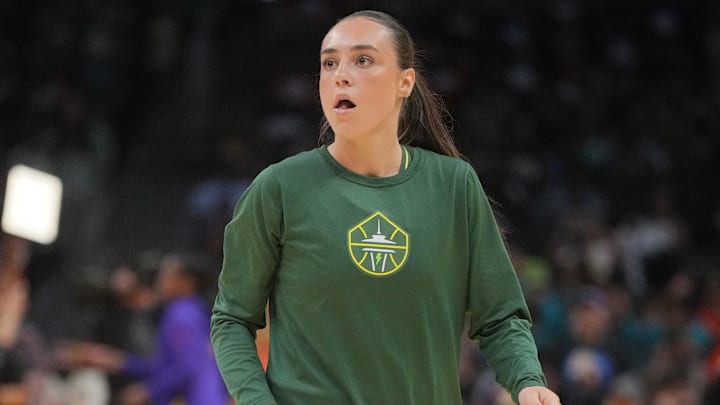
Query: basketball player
[{"x": 372, "y": 249}]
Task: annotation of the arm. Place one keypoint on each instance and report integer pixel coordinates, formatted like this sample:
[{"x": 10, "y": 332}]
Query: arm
[
  {"x": 137, "y": 366},
  {"x": 13, "y": 305},
  {"x": 499, "y": 317},
  {"x": 14, "y": 254},
  {"x": 251, "y": 255}
]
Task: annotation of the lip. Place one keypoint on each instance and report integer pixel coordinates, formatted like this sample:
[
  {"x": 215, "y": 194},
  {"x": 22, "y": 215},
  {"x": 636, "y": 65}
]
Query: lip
[{"x": 343, "y": 111}]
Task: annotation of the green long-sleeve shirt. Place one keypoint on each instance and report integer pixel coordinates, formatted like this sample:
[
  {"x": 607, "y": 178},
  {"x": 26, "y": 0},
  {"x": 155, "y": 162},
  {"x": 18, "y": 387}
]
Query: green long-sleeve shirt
[{"x": 369, "y": 281}]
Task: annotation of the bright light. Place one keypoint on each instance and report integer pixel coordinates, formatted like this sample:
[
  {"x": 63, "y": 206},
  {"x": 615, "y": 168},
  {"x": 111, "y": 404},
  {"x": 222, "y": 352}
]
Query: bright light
[{"x": 32, "y": 204}]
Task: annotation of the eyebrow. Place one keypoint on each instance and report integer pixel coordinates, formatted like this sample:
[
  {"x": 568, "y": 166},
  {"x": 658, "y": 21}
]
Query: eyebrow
[{"x": 354, "y": 48}]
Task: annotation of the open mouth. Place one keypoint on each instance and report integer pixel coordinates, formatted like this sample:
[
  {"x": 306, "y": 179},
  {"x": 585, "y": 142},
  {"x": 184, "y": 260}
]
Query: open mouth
[{"x": 344, "y": 104}]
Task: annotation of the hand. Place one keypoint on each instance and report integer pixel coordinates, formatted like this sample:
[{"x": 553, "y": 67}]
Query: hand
[
  {"x": 538, "y": 396},
  {"x": 134, "y": 394},
  {"x": 14, "y": 394},
  {"x": 103, "y": 357},
  {"x": 85, "y": 354}
]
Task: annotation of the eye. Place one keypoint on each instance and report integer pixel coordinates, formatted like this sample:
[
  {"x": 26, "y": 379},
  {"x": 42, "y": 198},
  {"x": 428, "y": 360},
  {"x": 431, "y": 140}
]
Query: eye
[
  {"x": 364, "y": 61},
  {"x": 329, "y": 64}
]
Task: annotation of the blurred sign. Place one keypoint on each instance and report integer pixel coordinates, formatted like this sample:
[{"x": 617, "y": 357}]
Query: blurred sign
[{"x": 32, "y": 204}]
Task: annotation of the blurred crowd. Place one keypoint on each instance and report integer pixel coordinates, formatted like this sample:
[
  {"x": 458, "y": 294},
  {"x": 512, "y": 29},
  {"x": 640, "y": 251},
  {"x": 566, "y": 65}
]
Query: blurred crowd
[{"x": 593, "y": 123}]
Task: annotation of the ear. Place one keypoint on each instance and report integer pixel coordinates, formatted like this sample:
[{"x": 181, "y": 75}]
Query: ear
[{"x": 407, "y": 82}]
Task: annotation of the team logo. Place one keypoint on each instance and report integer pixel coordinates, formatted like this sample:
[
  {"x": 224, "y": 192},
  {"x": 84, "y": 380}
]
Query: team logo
[{"x": 378, "y": 246}]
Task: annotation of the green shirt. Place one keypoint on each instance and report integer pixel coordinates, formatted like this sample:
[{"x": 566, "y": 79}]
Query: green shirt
[{"x": 369, "y": 280}]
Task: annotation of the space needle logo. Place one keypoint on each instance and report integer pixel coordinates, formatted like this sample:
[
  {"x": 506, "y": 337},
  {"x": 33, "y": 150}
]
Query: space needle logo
[{"x": 377, "y": 246}]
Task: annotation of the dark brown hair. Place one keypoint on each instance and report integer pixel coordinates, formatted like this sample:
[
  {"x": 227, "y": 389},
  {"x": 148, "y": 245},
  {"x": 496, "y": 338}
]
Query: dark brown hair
[{"x": 424, "y": 118}]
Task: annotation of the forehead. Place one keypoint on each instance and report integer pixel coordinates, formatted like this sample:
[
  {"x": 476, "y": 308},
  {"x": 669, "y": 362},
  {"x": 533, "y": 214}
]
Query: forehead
[{"x": 357, "y": 31}]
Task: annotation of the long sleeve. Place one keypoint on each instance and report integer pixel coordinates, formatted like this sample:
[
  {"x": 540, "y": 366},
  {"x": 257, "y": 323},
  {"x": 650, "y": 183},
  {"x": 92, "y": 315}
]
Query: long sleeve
[
  {"x": 138, "y": 366},
  {"x": 499, "y": 318},
  {"x": 251, "y": 256}
]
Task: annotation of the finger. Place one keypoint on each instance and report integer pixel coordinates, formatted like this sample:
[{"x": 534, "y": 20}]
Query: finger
[{"x": 550, "y": 400}]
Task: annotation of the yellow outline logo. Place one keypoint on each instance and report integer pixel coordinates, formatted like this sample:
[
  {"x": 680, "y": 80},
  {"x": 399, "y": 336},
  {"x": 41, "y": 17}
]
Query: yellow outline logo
[{"x": 378, "y": 246}]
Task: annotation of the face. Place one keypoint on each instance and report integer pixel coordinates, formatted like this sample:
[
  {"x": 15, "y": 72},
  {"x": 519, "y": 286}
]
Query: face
[
  {"x": 171, "y": 282},
  {"x": 361, "y": 84},
  {"x": 167, "y": 281}
]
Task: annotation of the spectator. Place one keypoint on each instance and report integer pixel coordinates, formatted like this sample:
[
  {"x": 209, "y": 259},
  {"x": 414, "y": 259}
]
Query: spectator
[
  {"x": 588, "y": 367},
  {"x": 182, "y": 365},
  {"x": 128, "y": 322},
  {"x": 13, "y": 303}
]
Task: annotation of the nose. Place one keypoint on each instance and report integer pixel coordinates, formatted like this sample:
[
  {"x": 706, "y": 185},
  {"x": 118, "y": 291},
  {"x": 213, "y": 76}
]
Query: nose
[{"x": 342, "y": 78}]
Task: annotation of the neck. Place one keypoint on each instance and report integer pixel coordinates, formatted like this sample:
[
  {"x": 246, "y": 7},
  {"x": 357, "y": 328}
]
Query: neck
[
  {"x": 379, "y": 156},
  {"x": 180, "y": 294}
]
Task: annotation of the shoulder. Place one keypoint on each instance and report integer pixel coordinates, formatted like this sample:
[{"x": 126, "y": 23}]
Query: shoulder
[
  {"x": 280, "y": 172},
  {"x": 454, "y": 172},
  {"x": 434, "y": 158},
  {"x": 187, "y": 310},
  {"x": 442, "y": 165},
  {"x": 297, "y": 163}
]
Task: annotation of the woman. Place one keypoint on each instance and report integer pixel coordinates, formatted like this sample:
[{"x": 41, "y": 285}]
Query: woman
[{"x": 371, "y": 250}]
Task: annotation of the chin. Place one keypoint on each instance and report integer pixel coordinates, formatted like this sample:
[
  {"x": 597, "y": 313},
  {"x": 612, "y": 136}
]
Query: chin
[{"x": 347, "y": 134}]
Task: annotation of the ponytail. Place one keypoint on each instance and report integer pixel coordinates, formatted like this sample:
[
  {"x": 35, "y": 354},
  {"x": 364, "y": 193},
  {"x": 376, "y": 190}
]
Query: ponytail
[{"x": 425, "y": 121}]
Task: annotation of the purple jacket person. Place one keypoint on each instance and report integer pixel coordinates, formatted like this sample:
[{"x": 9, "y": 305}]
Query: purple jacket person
[{"x": 183, "y": 365}]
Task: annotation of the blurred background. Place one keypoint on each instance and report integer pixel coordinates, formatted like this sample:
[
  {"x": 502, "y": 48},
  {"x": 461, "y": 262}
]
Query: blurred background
[{"x": 594, "y": 124}]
